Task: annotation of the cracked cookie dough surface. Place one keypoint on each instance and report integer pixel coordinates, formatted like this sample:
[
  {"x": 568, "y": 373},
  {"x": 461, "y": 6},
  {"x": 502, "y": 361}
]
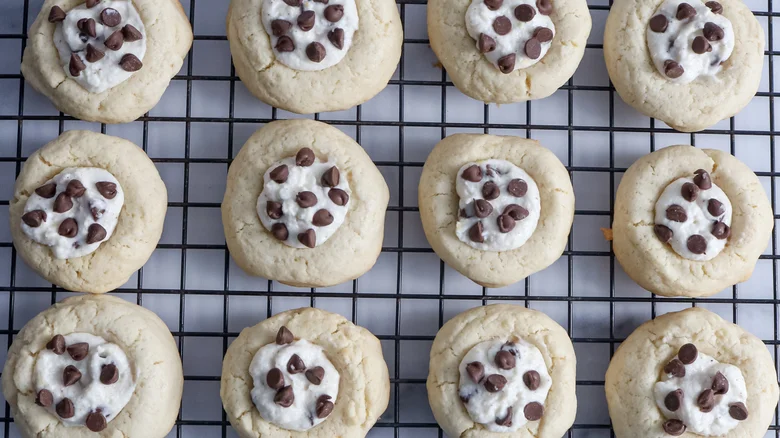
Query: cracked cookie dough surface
[
  {"x": 140, "y": 222},
  {"x": 363, "y": 389},
  {"x": 501, "y": 322},
  {"x": 372, "y": 54},
  {"x": 150, "y": 352},
  {"x": 706, "y": 99},
  {"x": 641, "y": 361},
  {"x": 654, "y": 264},
  {"x": 167, "y": 35},
  {"x": 439, "y": 207},
  {"x": 349, "y": 252},
  {"x": 530, "y": 75}
]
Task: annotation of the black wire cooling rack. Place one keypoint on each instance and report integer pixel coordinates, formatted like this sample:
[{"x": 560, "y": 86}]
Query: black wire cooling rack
[{"x": 407, "y": 302}]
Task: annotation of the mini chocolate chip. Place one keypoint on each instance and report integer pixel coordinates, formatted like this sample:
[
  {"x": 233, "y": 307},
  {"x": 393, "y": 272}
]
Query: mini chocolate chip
[
  {"x": 284, "y": 397},
  {"x": 322, "y": 218},
  {"x": 505, "y": 360},
  {"x": 507, "y": 420},
  {"x": 464, "y": 398},
  {"x": 306, "y": 20},
  {"x": 75, "y": 189},
  {"x": 34, "y": 218},
  {"x": 304, "y": 157},
  {"x": 110, "y": 17},
  {"x": 293, "y": 3},
  {"x": 70, "y": 375},
  {"x": 517, "y": 188},
  {"x": 44, "y": 398},
  {"x": 273, "y": 209},
  {"x": 715, "y": 207},
  {"x": 486, "y": 44},
  {"x": 659, "y": 23},
  {"x": 285, "y": 44},
  {"x": 738, "y": 411},
  {"x": 275, "y": 379},
  {"x": 65, "y": 408},
  {"x": 333, "y": 13},
  {"x": 338, "y": 196},
  {"x": 505, "y": 223},
  {"x": 702, "y": 179},
  {"x": 284, "y": 336},
  {"x": 482, "y": 208},
  {"x": 532, "y": 380},
  {"x": 533, "y": 411},
  {"x": 78, "y": 351},
  {"x": 56, "y": 14},
  {"x": 495, "y": 382},
  {"x": 96, "y": 422},
  {"x": 697, "y": 244},
  {"x": 516, "y": 212},
  {"x": 712, "y": 31},
  {"x": 533, "y": 48},
  {"x": 46, "y": 191},
  {"x": 76, "y": 65},
  {"x": 715, "y": 7},
  {"x": 543, "y": 34},
  {"x": 476, "y": 371},
  {"x": 324, "y": 406},
  {"x": 663, "y": 233},
  {"x": 688, "y": 354},
  {"x": 673, "y": 400},
  {"x": 315, "y": 375},
  {"x": 306, "y": 199},
  {"x": 525, "y": 13},
  {"x": 97, "y": 212},
  {"x": 506, "y": 64},
  {"x": 315, "y": 52},
  {"x": 720, "y": 384},
  {"x": 545, "y": 7},
  {"x": 280, "y": 27},
  {"x": 475, "y": 233},
  {"x": 472, "y": 173},
  {"x": 130, "y": 63},
  {"x": 279, "y": 231},
  {"x": 464, "y": 213},
  {"x": 490, "y": 191},
  {"x": 63, "y": 203},
  {"x": 676, "y": 213},
  {"x": 706, "y": 400},
  {"x": 95, "y": 233},
  {"x": 109, "y": 374},
  {"x": 308, "y": 238},
  {"x": 106, "y": 189},
  {"x": 57, "y": 344},
  {"x": 685, "y": 11},
  {"x": 331, "y": 177},
  {"x": 115, "y": 41},
  {"x": 68, "y": 228},
  {"x": 674, "y": 427},
  {"x": 689, "y": 192},
  {"x": 336, "y": 37},
  {"x": 502, "y": 25},
  {"x": 131, "y": 34},
  {"x": 280, "y": 174},
  {"x": 92, "y": 3},
  {"x": 493, "y": 4},
  {"x": 721, "y": 231},
  {"x": 700, "y": 45},
  {"x": 93, "y": 54},
  {"x": 675, "y": 367},
  {"x": 672, "y": 69}
]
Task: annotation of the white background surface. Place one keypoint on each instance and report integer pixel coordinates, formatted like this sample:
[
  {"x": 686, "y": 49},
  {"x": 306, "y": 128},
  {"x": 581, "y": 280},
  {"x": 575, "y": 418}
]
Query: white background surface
[{"x": 409, "y": 293}]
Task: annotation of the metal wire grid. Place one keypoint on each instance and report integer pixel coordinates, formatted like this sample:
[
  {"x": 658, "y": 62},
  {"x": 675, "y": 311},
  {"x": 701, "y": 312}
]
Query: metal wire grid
[{"x": 392, "y": 423}]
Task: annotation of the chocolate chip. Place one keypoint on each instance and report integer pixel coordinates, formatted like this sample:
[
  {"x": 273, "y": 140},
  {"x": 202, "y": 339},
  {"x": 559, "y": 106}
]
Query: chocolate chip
[
  {"x": 659, "y": 23},
  {"x": 697, "y": 244},
  {"x": 306, "y": 199},
  {"x": 490, "y": 191},
  {"x": 486, "y": 44},
  {"x": 472, "y": 173},
  {"x": 295, "y": 365},
  {"x": 689, "y": 192},
  {"x": 34, "y": 218},
  {"x": 663, "y": 233},
  {"x": 57, "y": 344},
  {"x": 280, "y": 27},
  {"x": 688, "y": 354},
  {"x": 322, "y": 218},
  {"x": 721, "y": 231},
  {"x": 673, "y": 400},
  {"x": 106, "y": 189},
  {"x": 533, "y": 48},
  {"x": 720, "y": 384},
  {"x": 706, "y": 400},
  {"x": 65, "y": 408},
  {"x": 279, "y": 231},
  {"x": 97, "y": 210},
  {"x": 110, "y": 17},
  {"x": 507, "y": 420},
  {"x": 76, "y": 65},
  {"x": 46, "y": 191},
  {"x": 516, "y": 212},
  {"x": 502, "y": 25},
  {"x": 545, "y": 7},
  {"x": 63, "y": 203},
  {"x": 517, "y": 188},
  {"x": 738, "y": 411},
  {"x": 476, "y": 371},
  {"x": 324, "y": 406},
  {"x": 676, "y": 213},
  {"x": 115, "y": 41},
  {"x": 280, "y": 174},
  {"x": 70, "y": 375},
  {"x": 95, "y": 233},
  {"x": 674, "y": 427},
  {"x": 675, "y": 368},
  {"x": 465, "y": 398},
  {"x": 92, "y": 3},
  {"x": 68, "y": 228},
  {"x": 685, "y": 11},
  {"x": 338, "y": 196},
  {"x": 505, "y": 360},
  {"x": 96, "y": 422},
  {"x": 75, "y": 189},
  {"x": 78, "y": 351},
  {"x": 130, "y": 63},
  {"x": 715, "y": 207},
  {"x": 284, "y": 397},
  {"x": 308, "y": 238},
  {"x": 131, "y": 34},
  {"x": 88, "y": 26},
  {"x": 284, "y": 336},
  {"x": 495, "y": 382},
  {"x": 273, "y": 209},
  {"x": 93, "y": 54},
  {"x": 315, "y": 52},
  {"x": 315, "y": 375},
  {"x": 700, "y": 45},
  {"x": 275, "y": 379},
  {"x": 493, "y": 4},
  {"x": 293, "y": 3},
  {"x": 336, "y": 37},
  {"x": 306, "y": 20},
  {"x": 304, "y": 157},
  {"x": 506, "y": 64},
  {"x": 475, "y": 233},
  {"x": 672, "y": 69},
  {"x": 525, "y": 13},
  {"x": 702, "y": 179},
  {"x": 715, "y": 7},
  {"x": 463, "y": 213},
  {"x": 285, "y": 44},
  {"x": 56, "y": 14},
  {"x": 482, "y": 208},
  {"x": 712, "y": 31},
  {"x": 109, "y": 374},
  {"x": 333, "y": 13},
  {"x": 543, "y": 34},
  {"x": 532, "y": 380},
  {"x": 44, "y": 398},
  {"x": 331, "y": 177},
  {"x": 533, "y": 411},
  {"x": 505, "y": 223}
]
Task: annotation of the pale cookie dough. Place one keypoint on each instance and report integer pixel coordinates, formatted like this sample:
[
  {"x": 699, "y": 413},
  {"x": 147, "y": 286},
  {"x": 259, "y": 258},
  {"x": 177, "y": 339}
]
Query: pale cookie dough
[
  {"x": 687, "y": 99},
  {"x": 299, "y": 259},
  {"x": 655, "y": 265},
  {"x": 363, "y": 381},
  {"x": 648, "y": 357},
  {"x": 137, "y": 231},
  {"x": 122, "y": 84},
  {"x": 493, "y": 52},
  {"x": 440, "y": 212},
  {"x": 139, "y": 395},
  {"x": 293, "y": 79},
  {"x": 546, "y": 411}
]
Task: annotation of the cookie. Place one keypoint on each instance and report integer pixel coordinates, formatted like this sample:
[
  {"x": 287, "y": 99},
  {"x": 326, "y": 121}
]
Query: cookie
[
  {"x": 309, "y": 56},
  {"x": 88, "y": 211},
  {"x": 504, "y": 51},
  {"x": 94, "y": 363},
  {"x": 691, "y": 373},
  {"x": 495, "y": 208},
  {"x": 106, "y": 61},
  {"x": 690, "y": 222},
  {"x": 304, "y": 205},
  {"x": 305, "y": 372},
  {"x": 502, "y": 369},
  {"x": 689, "y": 63}
]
